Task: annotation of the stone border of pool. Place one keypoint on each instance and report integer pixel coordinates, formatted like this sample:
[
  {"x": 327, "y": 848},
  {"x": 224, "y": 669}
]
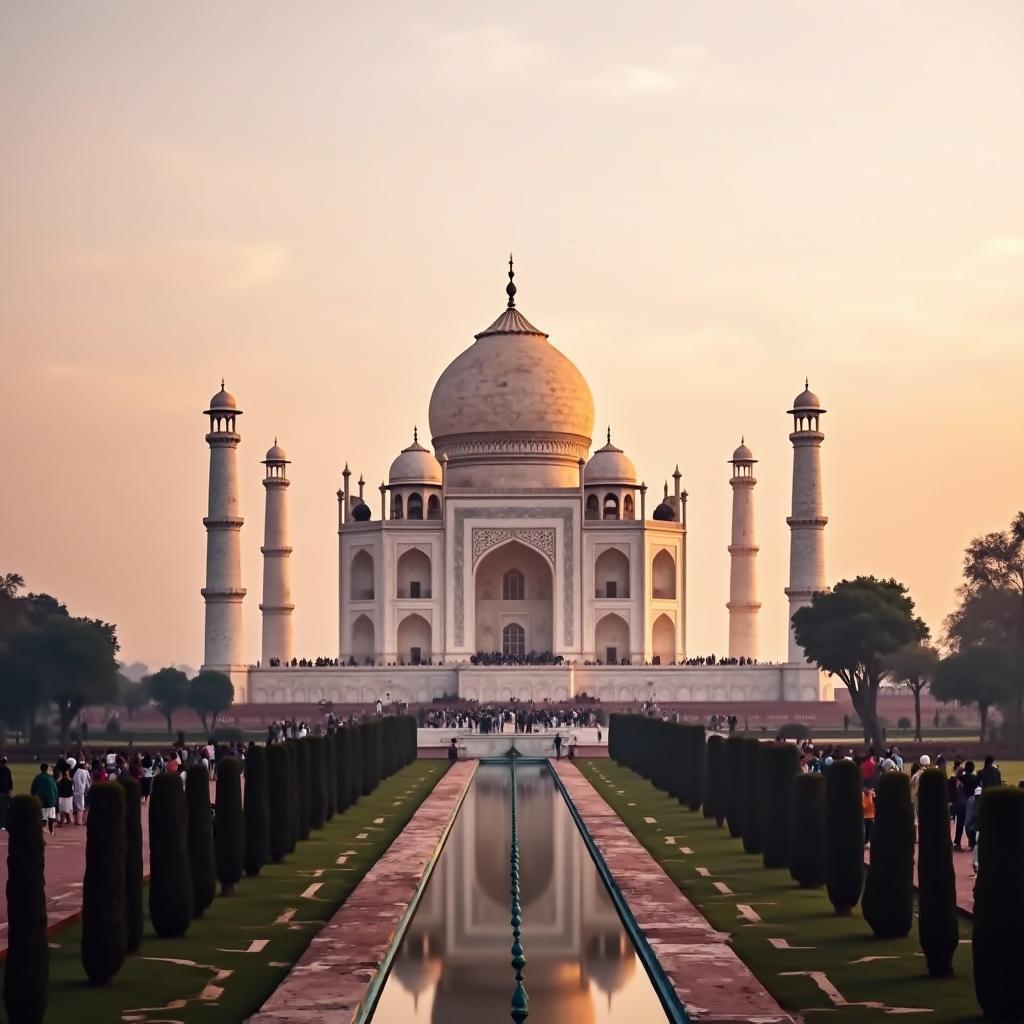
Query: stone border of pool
[
  {"x": 331, "y": 979},
  {"x": 711, "y": 981}
]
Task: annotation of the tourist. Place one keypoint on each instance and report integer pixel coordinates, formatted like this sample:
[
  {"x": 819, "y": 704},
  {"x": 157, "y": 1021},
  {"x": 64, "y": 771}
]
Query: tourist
[
  {"x": 80, "y": 783},
  {"x": 6, "y": 790},
  {"x": 453, "y": 751},
  {"x": 45, "y": 789},
  {"x": 558, "y": 746},
  {"x": 65, "y": 793},
  {"x": 971, "y": 820},
  {"x": 867, "y": 803},
  {"x": 990, "y": 775}
]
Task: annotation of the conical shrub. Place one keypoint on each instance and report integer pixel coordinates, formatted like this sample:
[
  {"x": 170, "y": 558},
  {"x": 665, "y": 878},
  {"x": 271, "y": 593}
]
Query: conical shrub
[
  {"x": 734, "y": 747},
  {"x": 317, "y": 783},
  {"x": 292, "y": 746},
  {"x": 257, "y": 811},
  {"x": 844, "y": 836},
  {"x": 937, "y": 925},
  {"x": 781, "y": 767},
  {"x": 228, "y": 828},
  {"x": 134, "y": 866},
  {"x": 170, "y": 881},
  {"x": 305, "y": 803},
  {"x": 696, "y": 767},
  {"x": 888, "y": 901},
  {"x": 717, "y": 785},
  {"x": 341, "y": 767},
  {"x": 27, "y": 968},
  {"x": 278, "y": 802},
  {"x": 330, "y": 776},
  {"x": 200, "y": 838},
  {"x": 807, "y": 831},
  {"x": 355, "y": 763},
  {"x": 103, "y": 886},
  {"x": 753, "y": 773}
]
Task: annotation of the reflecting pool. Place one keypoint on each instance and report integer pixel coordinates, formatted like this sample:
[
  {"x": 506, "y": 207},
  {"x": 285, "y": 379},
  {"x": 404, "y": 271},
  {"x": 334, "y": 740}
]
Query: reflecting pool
[{"x": 453, "y": 965}]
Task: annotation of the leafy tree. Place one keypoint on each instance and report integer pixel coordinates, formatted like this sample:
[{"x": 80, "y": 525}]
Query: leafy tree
[
  {"x": 168, "y": 690},
  {"x": 913, "y": 666},
  {"x": 976, "y": 675},
  {"x": 132, "y": 695},
  {"x": 209, "y": 694},
  {"x": 10, "y": 584},
  {"x": 991, "y": 610},
  {"x": 850, "y": 630}
]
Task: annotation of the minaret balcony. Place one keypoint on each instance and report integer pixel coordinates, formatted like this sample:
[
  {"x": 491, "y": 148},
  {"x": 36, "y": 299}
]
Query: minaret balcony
[{"x": 225, "y": 523}]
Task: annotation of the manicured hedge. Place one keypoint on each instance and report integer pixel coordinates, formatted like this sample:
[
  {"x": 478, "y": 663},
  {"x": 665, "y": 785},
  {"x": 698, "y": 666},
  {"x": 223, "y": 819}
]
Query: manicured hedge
[
  {"x": 104, "y": 941},
  {"x": 937, "y": 926},
  {"x": 844, "y": 832},
  {"x": 716, "y": 786},
  {"x": 317, "y": 782},
  {"x": 888, "y": 901},
  {"x": 257, "y": 810},
  {"x": 781, "y": 767},
  {"x": 330, "y": 775},
  {"x": 228, "y": 828},
  {"x": 279, "y": 800},
  {"x": 734, "y": 747},
  {"x": 998, "y": 947},
  {"x": 369, "y": 733},
  {"x": 200, "y": 838},
  {"x": 342, "y": 739},
  {"x": 134, "y": 867},
  {"x": 753, "y": 775},
  {"x": 27, "y": 969},
  {"x": 305, "y": 794},
  {"x": 807, "y": 830},
  {"x": 292, "y": 746},
  {"x": 696, "y": 765},
  {"x": 170, "y": 881},
  {"x": 355, "y": 763}
]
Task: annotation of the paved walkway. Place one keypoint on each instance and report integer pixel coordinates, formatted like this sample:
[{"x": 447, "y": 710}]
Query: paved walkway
[
  {"x": 963, "y": 865},
  {"x": 329, "y": 982},
  {"x": 710, "y": 979}
]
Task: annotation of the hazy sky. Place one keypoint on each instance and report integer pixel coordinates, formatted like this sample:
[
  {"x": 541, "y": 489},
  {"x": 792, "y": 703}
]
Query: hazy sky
[{"x": 316, "y": 200}]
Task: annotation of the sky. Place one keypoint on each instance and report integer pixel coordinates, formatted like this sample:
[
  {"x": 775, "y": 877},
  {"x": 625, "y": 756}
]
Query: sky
[{"x": 707, "y": 202}]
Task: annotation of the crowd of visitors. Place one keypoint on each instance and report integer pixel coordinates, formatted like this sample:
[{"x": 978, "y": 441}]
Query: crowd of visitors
[{"x": 512, "y": 716}]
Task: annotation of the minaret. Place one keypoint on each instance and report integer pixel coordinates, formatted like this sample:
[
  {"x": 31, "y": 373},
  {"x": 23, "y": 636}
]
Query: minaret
[
  {"x": 277, "y": 604},
  {"x": 224, "y": 591},
  {"x": 807, "y": 522},
  {"x": 743, "y": 603}
]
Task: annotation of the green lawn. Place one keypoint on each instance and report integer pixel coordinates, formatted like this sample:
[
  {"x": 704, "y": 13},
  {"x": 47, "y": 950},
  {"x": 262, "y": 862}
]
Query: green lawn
[
  {"x": 210, "y": 975},
  {"x": 843, "y": 951}
]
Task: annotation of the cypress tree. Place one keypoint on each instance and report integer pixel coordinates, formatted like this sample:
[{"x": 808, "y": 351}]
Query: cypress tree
[
  {"x": 998, "y": 947},
  {"x": 27, "y": 970},
  {"x": 844, "y": 836},
  {"x": 305, "y": 783},
  {"x": 317, "y": 783},
  {"x": 717, "y": 785},
  {"x": 170, "y": 881},
  {"x": 341, "y": 767},
  {"x": 103, "y": 887},
  {"x": 292, "y": 747},
  {"x": 355, "y": 764},
  {"x": 734, "y": 777},
  {"x": 330, "y": 775},
  {"x": 278, "y": 803},
  {"x": 781, "y": 767},
  {"x": 807, "y": 831},
  {"x": 133, "y": 864},
  {"x": 696, "y": 767},
  {"x": 753, "y": 771},
  {"x": 888, "y": 901},
  {"x": 200, "y": 838},
  {"x": 371, "y": 773},
  {"x": 257, "y": 810},
  {"x": 937, "y": 926},
  {"x": 228, "y": 829}
]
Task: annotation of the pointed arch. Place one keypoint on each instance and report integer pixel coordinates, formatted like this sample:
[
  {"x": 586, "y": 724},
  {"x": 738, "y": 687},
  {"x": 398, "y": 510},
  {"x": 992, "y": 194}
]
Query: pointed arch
[
  {"x": 361, "y": 584},
  {"x": 414, "y": 506},
  {"x": 414, "y": 639},
  {"x": 611, "y": 639},
  {"x": 663, "y": 576},
  {"x": 413, "y": 574},
  {"x": 364, "y": 641},
  {"x": 611, "y": 574},
  {"x": 663, "y": 640}
]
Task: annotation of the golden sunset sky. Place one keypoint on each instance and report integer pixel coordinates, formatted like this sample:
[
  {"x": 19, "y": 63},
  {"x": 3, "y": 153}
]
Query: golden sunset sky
[{"x": 707, "y": 202}]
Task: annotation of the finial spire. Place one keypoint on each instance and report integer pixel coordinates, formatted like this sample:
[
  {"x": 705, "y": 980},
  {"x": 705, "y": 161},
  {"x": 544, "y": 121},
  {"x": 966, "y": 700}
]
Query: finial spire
[
  {"x": 807, "y": 383},
  {"x": 415, "y": 435},
  {"x": 609, "y": 435},
  {"x": 743, "y": 438},
  {"x": 510, "y": 288},
  {"x": 222, "y": 383},
  {"x": 275, "y": 440}
]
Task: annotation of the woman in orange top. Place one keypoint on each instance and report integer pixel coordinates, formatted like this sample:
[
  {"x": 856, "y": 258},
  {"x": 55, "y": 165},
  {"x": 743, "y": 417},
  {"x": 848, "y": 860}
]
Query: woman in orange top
[{"x": 867, "y": 803}]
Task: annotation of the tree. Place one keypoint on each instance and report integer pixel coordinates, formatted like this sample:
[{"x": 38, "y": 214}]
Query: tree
[
  {"x": 716, "y": 800},
  {"x": 104, "y": 938},
  {"x": 305, "y": 792},
  {"x": 807, "y": 830},
  {"x": 331, "y": 775},
  {"x": 753, "y": 769},
  {"x": 998, "y": 945},
  {"x": 844, "y": 836},
  {"x": 734, "y": 747},
  {"x": 888, "y": 902},
  {"x": 200, "y": 838},
  {"x": 341, "y": 766},
  {"x": 133, "y": 864},
  {"x": 229, "y": 834},
  {"x": 257, "y": 811},
  {"x": 850, "y": 630},
  {"x": 937, "y": 926},
  {"x": 976, "y": 675},
  {"x": 132, "y": 695},
  {"x": 209, "y": 694},
  {"x": 781, "y": 764},
  {"x": 168, "y": 690},
  {"x": 27, "y": 969},
  {"x": 913, "y": 666},
  {"x": 170, "y": 881},
  {"x": 317, "y": 782},
  {"x": 992, "y": 602},
  {"x": 278, "y": 801}
]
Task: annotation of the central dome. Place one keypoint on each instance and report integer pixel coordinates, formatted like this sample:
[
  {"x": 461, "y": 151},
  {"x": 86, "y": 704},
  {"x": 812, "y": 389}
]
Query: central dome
[{"x": 512, "y": 401}]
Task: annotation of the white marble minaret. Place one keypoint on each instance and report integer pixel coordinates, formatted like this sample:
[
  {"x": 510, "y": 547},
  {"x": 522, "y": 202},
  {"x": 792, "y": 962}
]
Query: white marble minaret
[
  {"x": 807, "y": 522},
  {"x": 277, "y": 604},
  {"x": 224, "y": 591},
  {"x": 743, "y": 603}
]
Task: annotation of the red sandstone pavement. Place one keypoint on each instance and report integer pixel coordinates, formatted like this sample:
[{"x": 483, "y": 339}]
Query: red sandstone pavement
[
  {"x": 714, "y": 985},
  {"x": 329, "y": 982}
]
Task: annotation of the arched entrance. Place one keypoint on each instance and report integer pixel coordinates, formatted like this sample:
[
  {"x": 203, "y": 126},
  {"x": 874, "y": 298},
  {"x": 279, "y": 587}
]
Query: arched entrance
[
  {"x": 513, "y": 584},
  {"x": 413, "y": 574},
  {"x": 663, "y": 577},
  {"x": 663, "y": 640},
  {"x": 363, "y": 646},
  {"x": 611, "y": 640},
  {"x": 413, "y": 640},
  {"x": 611, "y": 574}
]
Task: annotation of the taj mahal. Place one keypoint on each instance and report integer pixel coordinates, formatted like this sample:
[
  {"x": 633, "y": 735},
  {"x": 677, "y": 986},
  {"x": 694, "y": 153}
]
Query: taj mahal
[{"x": 508, "y": 560}]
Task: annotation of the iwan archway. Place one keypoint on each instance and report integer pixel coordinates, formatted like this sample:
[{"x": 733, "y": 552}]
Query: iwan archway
[{"x": 513, "y": 586}]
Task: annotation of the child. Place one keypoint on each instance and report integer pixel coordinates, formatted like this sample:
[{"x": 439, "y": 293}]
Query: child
[
  {"x": 65, "y": 792},
  {"x": 867, "y": 803}
]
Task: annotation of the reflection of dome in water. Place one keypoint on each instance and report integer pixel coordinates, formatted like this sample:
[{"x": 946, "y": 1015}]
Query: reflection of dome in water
[
  {"x": 610, "y": 961},
  {"x": 494, "y": 836},
  {"x": 418, "y": 965}
]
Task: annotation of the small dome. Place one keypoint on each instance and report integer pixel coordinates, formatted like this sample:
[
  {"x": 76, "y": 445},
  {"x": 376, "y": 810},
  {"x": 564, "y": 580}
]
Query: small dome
[
  {"x": 276, "y": 454},
  {"x": 665, "y": 513},
  {"x": 743, "y": 454},
  {"x": 609, "y": 465},
  {"x": 807, "y": 400},
  {"x": 223, "y": 400},
  {"x": 361, "y": 512},
  {"x": 415, "y": 465}
]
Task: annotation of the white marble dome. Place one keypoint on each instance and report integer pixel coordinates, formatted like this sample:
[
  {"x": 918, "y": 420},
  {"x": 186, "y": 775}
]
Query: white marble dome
[
  {"x": 807, "y": 399},
  {"x": 415, "y": 465},
  {"x": 276, "y": 454},
  {"x": 743, "y": 454},
  {"x": 609, "y": 465},
  {"x": 223, "y": 401}
]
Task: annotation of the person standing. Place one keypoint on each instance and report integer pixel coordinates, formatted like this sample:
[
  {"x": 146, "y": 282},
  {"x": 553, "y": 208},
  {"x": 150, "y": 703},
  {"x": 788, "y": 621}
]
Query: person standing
[
  {"x": 80, "y": 783},
  {"x": 558, "y": 746},
  {"x": 6, "y": 791},
  {"x": 990, "y": 775},
  {"x": 45, "y": 789},
  {"x": 453, "y": 751},
  {"x": 65, "y": 792},
  {"x": 867, "y": 803}
]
